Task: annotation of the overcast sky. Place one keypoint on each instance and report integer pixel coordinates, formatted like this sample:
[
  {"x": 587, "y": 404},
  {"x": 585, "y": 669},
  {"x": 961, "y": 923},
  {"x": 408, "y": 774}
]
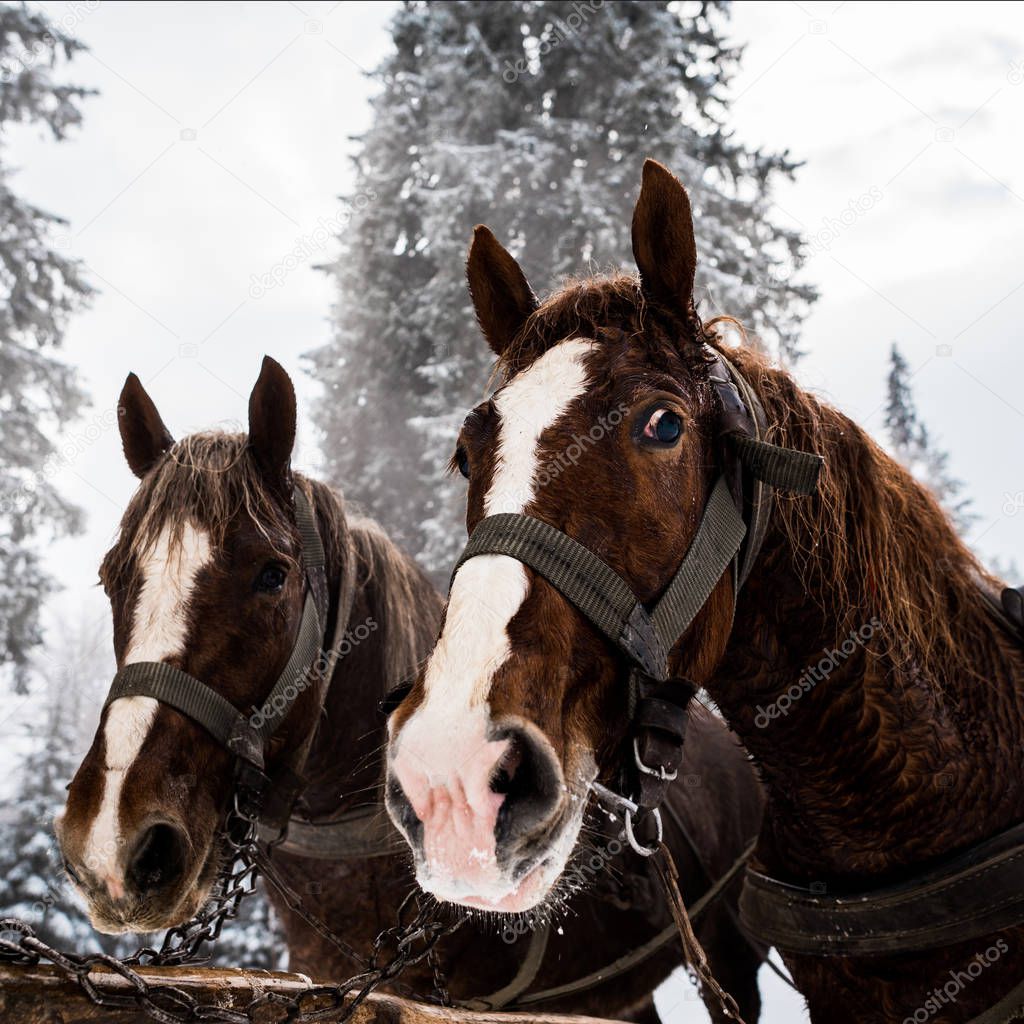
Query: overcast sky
[{"x": 220, "y": 138}]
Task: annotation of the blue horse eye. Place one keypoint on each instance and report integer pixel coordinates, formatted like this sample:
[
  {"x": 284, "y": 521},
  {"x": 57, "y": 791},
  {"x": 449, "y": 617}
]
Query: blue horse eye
[
  {"x": 463, "y": 461},
  {"x": 669, "y": 427},
  {"x": 664, "y": 426}
]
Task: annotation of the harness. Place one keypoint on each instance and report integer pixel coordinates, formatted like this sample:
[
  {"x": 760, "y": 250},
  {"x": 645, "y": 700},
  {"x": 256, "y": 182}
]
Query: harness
[
  {"x": 925, "y": 911},
  {"x": 363, "y": 832},
  {"x": 730, "y": 533},
  {"x": 922, "y": 913},
  {"x": 247, "y": 735}
]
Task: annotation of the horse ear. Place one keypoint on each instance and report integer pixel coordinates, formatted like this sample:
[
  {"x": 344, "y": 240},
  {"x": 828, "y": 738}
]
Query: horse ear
[
  {"x": 143, "y": 434},
  {"x": 501, "y": 295},
  {"x": 272, "y": 423},
  {"x": 663, "y": 243}
]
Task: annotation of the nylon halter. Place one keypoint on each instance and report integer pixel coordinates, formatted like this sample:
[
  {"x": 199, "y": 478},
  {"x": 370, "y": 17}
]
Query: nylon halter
[
  {"x": 736, "y": 512},
  {"x": 247, "y": 735}
]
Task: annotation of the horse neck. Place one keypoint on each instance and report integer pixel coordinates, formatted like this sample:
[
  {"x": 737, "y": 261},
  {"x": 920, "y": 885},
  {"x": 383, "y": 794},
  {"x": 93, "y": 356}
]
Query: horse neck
[
  {"x": 880, "y": 699},
  {"x": 391, "y": 625}
]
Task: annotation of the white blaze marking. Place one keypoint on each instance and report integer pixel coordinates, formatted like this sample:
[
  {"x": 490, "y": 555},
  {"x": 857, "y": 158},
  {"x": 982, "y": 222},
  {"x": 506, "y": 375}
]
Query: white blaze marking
[
  {"x": 158, "y": 632},
  {"x": 488, "y": 590}
]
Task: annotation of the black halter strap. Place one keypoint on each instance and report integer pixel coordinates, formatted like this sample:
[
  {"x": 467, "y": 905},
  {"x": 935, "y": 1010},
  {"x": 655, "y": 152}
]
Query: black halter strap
[
  {"x": 602, "y": 595},
  {"x": 247, "y": 734},
  {"x": 751, "y": 467}
]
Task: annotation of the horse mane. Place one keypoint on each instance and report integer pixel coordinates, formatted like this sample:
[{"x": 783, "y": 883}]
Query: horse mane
[
  {"x": 858, "y": 543},
  {"x": 585, "y": 305},
  {"x": 206, "y": 478},
  {"x": 400, "y": 594}
]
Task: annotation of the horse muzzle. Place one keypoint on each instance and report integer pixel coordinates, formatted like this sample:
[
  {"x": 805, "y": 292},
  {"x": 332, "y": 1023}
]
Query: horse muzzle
[
  {"x": 482, "y": 810},
  {"x": 148, "y": 881}
]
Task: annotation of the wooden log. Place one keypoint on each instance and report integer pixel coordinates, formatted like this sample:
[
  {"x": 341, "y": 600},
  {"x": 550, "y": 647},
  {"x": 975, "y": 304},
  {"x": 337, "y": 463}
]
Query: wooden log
[{"x": 43, "y": 995}]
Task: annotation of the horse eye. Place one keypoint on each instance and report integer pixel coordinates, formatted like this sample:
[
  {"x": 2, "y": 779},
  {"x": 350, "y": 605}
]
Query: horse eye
[
  {"x": 271, "y": 579},
  {"x": 664, "y": 426},
  {"x": 462, "y": 459}
]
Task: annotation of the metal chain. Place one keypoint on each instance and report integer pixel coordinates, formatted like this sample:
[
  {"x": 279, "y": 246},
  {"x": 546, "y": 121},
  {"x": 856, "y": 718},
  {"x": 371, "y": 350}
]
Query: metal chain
[{"x": 409, "y": 942}]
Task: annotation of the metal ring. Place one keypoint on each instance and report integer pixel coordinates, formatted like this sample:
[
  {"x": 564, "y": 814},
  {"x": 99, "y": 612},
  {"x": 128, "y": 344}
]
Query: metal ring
[
  {"x": 659, "y": 772},
  {"x": 638, "y": 847}
]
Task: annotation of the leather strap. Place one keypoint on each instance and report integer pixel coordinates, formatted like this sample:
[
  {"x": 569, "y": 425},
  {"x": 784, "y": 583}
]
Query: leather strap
[
  {"x": 523, "y": 979},
  {"x": 968, "y": 896},
  {"x": 658, "y": 716},
  {"x": 711, "y": 552},
  {"x": 282, "y": 799},
  {"x": 195, "y": 700},
  {"x": 783, "y": 468},
  {"x": 602, "y": 595},
  {"x": 360, "y": 834},
  {"x": 589, "y": 583},
  {"x": 637, "y": 956},
  {"x": 247, "y": 735},
  {"x": 1013, "y": 607},
  {"x": 1000, "y": 606}
]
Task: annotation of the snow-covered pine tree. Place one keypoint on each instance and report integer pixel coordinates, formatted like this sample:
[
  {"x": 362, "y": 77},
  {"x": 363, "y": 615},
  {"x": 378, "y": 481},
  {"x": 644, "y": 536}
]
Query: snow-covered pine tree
[
  {"x": 39, "y": 289},
  {"x": 534, "y": 117},
  {"x": 67, "y": 683},
  {"x": 911, "y": 443}
]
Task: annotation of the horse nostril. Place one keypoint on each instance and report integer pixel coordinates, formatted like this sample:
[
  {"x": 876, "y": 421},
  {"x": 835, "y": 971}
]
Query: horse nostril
[
  {"x": 529, "y": 779},
  {"x": 508, "y": 769},
  {"x": 158, "y": 860}
]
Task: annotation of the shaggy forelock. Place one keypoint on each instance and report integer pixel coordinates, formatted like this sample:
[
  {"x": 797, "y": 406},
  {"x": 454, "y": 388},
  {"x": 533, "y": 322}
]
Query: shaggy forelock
[
  {"x": 585, "y": 307},
  {"x": 208, "y": 480}
]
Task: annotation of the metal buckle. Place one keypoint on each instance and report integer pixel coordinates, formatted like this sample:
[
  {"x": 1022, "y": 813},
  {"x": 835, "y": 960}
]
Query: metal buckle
[
  {"x": 630, "y": 809},
  {"x": 659, "y": 772}
]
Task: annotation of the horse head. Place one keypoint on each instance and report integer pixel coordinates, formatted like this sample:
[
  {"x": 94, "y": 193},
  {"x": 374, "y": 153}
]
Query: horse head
[
  {"x": 204, "y": 576},
  {"x": 603, "y": 427}
]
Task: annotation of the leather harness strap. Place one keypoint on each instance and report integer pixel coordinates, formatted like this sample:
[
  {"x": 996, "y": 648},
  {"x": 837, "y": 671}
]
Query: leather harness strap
[
  {"x": 509, "y": 995},
  {"x": 1013, "y": 607},
  {"x": 636, "y": 956},
  {"x": 1007, "y": 608},
  {"x": 247, "y": 734},
  {"x": 727, "y": 539},
  {"x": 359, "y": 834},
  {"x": 1007, "y": 1009},
  {"x": 967, "y": 896}
]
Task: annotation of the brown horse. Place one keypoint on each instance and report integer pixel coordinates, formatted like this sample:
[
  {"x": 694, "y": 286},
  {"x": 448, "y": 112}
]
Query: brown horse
[
  {"x": 910, "y": 749},
  {"x": 203, "y": 576}
]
